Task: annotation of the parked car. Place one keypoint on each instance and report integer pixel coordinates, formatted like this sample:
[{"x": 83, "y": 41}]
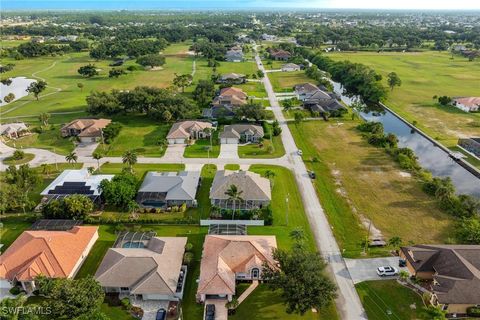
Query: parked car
[
  {"x": 299, "y": 152},
  {"x": 210, "y": 312},
  {"x": 311, "y": 174},
  {"x": 387, "y": 271},
  {"x": 161, "y": 314}
]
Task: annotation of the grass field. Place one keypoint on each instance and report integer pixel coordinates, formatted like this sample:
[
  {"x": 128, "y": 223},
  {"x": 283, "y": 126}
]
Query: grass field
[
  {"x": 388, "y": 299},
  {"x": 423, "y": 75},
  {"x": 12, "y": 227},
  {"x": 285, "y": 81},
  {"x": 354, "y": 176},
  {"x": 253, "y": 150},
  {"x": 9, "y": 161},
  {"x": 232, "y": 166}
]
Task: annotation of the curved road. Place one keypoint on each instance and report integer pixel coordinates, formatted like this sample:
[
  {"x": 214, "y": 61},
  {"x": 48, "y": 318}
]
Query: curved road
[{"x": 348, "y": 302}]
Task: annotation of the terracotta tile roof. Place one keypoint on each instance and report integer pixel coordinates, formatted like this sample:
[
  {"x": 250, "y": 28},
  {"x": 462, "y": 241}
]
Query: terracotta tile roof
[
  {"x": 470, "y": 102},
  {"x": 50, "y": 253},
  {"x": 232, "y": 91},
  {"x": 223, "y": 256},
  {"x": 88, "y": 127}
]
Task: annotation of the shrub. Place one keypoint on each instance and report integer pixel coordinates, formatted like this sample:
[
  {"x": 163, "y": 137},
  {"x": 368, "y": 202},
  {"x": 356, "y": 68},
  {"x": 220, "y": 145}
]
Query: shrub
[
  {"x": 189, "y": 247},
  {"x": 15, "y": 290},
  {"x": 188, "y": 258},
  {"x": 111, "y": 132},
  {"x": 473, "y": 311},
  {"x": 18, "y": 155},
  {"x": 126, "y": 303},
  {"x": 267, "y": 215}
]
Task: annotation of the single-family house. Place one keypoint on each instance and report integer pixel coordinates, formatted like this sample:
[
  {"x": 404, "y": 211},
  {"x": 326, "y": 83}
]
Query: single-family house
[
  {"x": 236, "y": 133},
  {"x": 166, "y": 189},
  {"x": 14, "y": 130},
  {"x": 87, "y": 130},
  {"x": 471, "y": 145},
  {"x": 255, "y": 190},
  {"x": 279, "y": 54},
  {"x": 290, "y": 67},
  {"x": 467, "y": 104},
  {"x": 232, "y": 78},
  {"x": 228, "y": 258},
  {"x": 454, "y": 272},
  {"x": 224, "y": 104},
  {"x": 305, "y": 90},
  {"x": 71, "y": 182},
  {"x": 317, "y": 100},
  {"x": 144, "y": 267},
  {"x": 182, "y": 131},
  {"x": 54, "y": 254},
  {"x": 459, "y": 47},
  {"x": 269, "y": 37},
  {"x": 234, "y": 55}
]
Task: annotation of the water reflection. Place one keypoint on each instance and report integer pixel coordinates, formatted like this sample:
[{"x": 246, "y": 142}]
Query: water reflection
[{"x": 17, "y": 87}]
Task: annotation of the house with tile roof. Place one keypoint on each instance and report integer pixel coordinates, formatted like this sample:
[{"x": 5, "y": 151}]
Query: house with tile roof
[
  {"x": 225, "y": 103},
  {"x": 54, "y": 254},
  {"x": 232, "y": 78},
  {"x": 228, "y": 258},
  {"x": 453, "y": 272},
  {"x": 182, "y": 131},
  {"x": 146, "y": 268},
  {"x": 255, "y": 190},
  {"x": 236, "y": 133},
  {"x": 87, "y": 130},
  {"x": 467, "y": 104},
  {"x": 166, "y": 189},
  {"x": 14, "y": 130},
  {"x": 279, "y": 54}
]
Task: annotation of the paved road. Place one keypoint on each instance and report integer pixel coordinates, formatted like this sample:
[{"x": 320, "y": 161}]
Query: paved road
[
  {"x": 366, "y": 269},
  {"x": 348, "y": 302}
]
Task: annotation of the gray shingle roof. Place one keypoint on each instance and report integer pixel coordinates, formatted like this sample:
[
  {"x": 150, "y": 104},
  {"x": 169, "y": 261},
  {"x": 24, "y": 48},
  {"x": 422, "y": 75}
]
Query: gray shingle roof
[
  {"x": 235, "y": 130},
  {"x": 181, "y": 186},
  {"x": 252, "y": 185}
]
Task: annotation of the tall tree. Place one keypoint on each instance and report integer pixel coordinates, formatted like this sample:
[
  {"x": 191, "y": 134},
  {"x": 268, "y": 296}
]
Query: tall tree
[
  {"x": 204, "y": 93},
  {"x": 97, "y": 156},
  {"x": 88, "y": 71},
  {"x": 36, "y": 88},
  {"x": 129, "y": 158},
  {"x": 44, "y": 118},
  {"x": 234, "y": 195},
  {"x": 71, "y": 157},
  {"x": 182, "y": 81},
  {"x": 9, "y": 97},
  {"x": 152, "y": 60},
  {"x": 393, "y": 80}
]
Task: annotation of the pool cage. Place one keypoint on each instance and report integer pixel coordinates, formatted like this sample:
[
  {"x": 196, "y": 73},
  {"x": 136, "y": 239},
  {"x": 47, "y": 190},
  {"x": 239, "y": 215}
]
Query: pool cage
[
  {"x": 130, "y": 239},
  {"x": 227, "y": 229}
]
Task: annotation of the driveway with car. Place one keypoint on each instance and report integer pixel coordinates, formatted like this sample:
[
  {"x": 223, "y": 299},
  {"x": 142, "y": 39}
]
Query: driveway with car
[{"x": 366, "y": 269}]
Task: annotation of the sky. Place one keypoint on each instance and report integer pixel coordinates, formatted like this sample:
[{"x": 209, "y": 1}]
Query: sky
[{"x": 239, "y": 4}]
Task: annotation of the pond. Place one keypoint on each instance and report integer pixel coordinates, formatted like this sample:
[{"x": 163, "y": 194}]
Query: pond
[
  {"x": 430, "y": 156},
  {"x": 18, "y": 87}
]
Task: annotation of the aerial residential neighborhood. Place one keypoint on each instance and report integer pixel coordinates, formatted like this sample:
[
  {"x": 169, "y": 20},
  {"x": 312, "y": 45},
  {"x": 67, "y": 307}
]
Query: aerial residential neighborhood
[{"x": 239, "y": 160}]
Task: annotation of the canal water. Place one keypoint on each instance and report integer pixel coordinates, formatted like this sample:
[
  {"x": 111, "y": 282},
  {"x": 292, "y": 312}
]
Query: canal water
[
  {"x": 18, "y": 87},
  {"x": 430, "y": 156}
]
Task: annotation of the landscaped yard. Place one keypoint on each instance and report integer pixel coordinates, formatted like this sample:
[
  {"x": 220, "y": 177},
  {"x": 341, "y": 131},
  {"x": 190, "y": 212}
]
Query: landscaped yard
[
  {"x": 354, "y": 176},
  {"x": 253, "y": 150},
  {"x": 387, "y": 299},
  {"x": 423, "y": 75},
  {"x": 49, "y": 139},
  {"x": 140, "y": 169},
  {"x": 10, "y": 161},
  {"x": 12, "y": 225},
  {"x": 285, "y": 81},
  {"x": 201, "y": 147}
]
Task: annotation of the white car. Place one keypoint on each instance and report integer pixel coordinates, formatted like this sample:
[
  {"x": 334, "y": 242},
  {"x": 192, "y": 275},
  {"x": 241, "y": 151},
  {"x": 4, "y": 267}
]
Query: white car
[
  {"x": 387, "y": 271},
  {"x": 299, "y": 152}
]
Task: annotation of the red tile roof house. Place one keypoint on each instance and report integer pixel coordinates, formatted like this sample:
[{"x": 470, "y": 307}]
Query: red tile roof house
[
  {"x": 87, "y": 130},
  {"x": 226, "y": 259},
  {"x": 54, "y": 254},
  {"x": 467, "y": 104}
]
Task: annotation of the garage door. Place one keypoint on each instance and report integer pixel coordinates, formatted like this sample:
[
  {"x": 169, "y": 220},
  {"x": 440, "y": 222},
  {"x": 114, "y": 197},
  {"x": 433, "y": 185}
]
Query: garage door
[{"x": 229, "y": 140}]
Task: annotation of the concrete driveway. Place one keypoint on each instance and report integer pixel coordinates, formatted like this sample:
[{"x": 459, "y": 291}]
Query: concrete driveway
[
  {"x": 228, "y": 151},
  {"x": 366, "y": 269},
  {"x": 150, "y": 307},
  {"x": 175, "y": 151},
  {"x": 86, "y": 149},
  {"x": 221, "y": 312}
]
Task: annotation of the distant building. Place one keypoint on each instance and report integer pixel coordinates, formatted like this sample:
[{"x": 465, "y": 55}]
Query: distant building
[
  {"x": 279, "y": 54},
  {"x": 255, "y": 190},
  {"x": 459, "y": 48},
  {"x": 166, "y": 189},
  {"x": 467, "y": 104},
  {"x": 453, "y": 272},
  {"x": 236, "y": 133},
  {"x": 471, "y": 145},
  {"x": 305, "y": 90},
  {"x": 183, "y": 131},
  {"x": 14, "y": 130},
  {"x": 54, "y": 254},
  {"x": 87, "y": 130},
  {"x": 235, "y": 54},
  {"x": 225, "y": 103},
  {"x": 290, "y": 67},
  {"x": 268, "y": 37},
  {"x": 232, "y": 78}
]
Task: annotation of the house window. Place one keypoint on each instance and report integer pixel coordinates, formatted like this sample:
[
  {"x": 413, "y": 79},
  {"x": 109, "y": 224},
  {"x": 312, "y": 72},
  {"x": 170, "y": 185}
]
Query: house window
[
  {"x": 124, "y": 289},
  {"x": 255, "y": 273},
  {"x": 445, "y": 307}
]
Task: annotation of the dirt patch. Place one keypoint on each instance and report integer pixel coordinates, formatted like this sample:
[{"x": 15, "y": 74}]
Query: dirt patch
[
  {"x": 404, "y": 174},
  {"x": 155, "y": 69}
]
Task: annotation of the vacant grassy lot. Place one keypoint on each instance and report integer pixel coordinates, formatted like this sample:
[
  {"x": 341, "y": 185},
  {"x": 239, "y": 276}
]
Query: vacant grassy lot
[
  {"x": 389, "y": 300},
  {"x": 139, "y": 133},
  {"x": 285, "y": 81},
  {"x": 355, "y": 179},
  {"x": 423, "y": 75},
  {"x": 255, "y": 150}
]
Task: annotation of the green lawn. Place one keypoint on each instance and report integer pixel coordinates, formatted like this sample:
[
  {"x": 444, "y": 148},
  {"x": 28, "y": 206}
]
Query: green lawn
[
  {"x": 138, "y": 133},
  {"x": 387, "y": 299},
  {"x": 116, "y": 312},
  {"x": 423, "y": 75},
  {"x": 9, "y": 161},
  {"x": 254, "y": 150},
  {"x": 263, "y": 304},
  {"x": 12, "y": 226},
  {"x": 49, "y": 139},
  {"x": 354, "y": 176},
  {"x": 285, "y": 81},
  {"x": 200, "y": 148},
  {"x": 140, "y": 169},
  {"x": 203, "y": 194},
  {"x": 232, "y": 166}
]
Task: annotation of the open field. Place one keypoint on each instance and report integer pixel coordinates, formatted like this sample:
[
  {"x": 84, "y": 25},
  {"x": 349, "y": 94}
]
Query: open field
[
  {"x": 253, "y": 150},
  {"x": 354, "y": 178},
  {"x": 423, "y": 75},
  {"x": 387, "y": 299},
  {"x": 285, "y": 81}
]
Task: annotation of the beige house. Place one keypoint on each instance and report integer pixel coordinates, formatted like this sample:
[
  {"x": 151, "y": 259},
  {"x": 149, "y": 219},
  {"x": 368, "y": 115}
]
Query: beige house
[
  {"x": 236, "y": 133},
  {"x": 454, "y": 271},
  {"x": 255, "y": 190},
  {"x": 226, "y": 259},
  {"x": 87, "y": 130},
  {"x": 142, "y": 266},
  {"x": 183, "y": 131},
  {"x": 14, "y": 130}
]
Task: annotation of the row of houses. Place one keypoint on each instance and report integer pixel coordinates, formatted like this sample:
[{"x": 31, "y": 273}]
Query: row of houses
[{"x": 167, "y": 189}]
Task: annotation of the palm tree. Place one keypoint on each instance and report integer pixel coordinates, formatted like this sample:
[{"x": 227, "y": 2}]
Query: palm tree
[
  {"x": 71, "y": 157},
  {"x": 233, "y": 194},
  {"x": 45, "y": 168},
  {"x": 97, "y": 156},
  {"x": 269, "y": 174},
  {"x": 129, "y": 158},
  {"x": 395, "y": 242},
  {"x": 297, "y": 234}
]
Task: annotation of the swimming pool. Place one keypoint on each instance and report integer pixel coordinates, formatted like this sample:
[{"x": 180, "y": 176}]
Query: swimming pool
[{"x": 133, "y": 244}]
